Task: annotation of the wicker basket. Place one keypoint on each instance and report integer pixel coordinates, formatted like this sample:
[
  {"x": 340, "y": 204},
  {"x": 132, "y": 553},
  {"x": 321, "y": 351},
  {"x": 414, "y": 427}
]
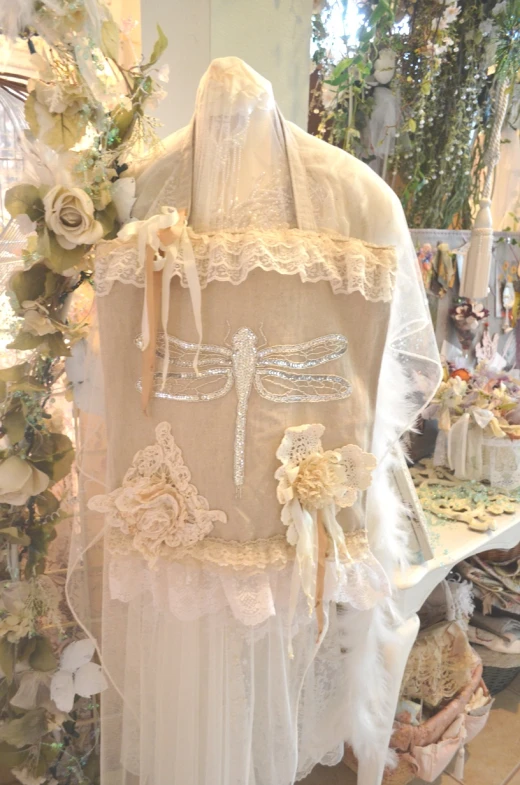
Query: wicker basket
[
  {"x": 497, "y": 679},
  {"x": 406, "y": 737},
  {"x": 497, "y": 556}
]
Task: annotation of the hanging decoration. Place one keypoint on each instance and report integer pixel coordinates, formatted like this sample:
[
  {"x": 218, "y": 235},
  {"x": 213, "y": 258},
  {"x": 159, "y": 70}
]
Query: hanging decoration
[{"x": 418, "y": 91}]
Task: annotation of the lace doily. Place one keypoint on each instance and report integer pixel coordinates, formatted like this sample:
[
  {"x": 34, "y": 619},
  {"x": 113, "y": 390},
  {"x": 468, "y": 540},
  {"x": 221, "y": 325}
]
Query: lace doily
[
  {"x": 350, "y": 265},
  {"x": 157, "y": 509}
]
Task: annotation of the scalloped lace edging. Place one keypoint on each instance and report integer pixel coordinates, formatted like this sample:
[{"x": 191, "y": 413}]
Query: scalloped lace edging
[
  {"x": 251, "y": 579},
  {"x": 349, "y": 264}
]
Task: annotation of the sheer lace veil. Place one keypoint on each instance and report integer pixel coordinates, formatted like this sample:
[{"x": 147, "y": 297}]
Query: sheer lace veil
[{"x": 238, "y": 166}]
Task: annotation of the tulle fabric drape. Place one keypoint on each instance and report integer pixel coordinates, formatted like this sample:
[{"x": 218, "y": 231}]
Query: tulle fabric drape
[{"x": 207, "y": 698}]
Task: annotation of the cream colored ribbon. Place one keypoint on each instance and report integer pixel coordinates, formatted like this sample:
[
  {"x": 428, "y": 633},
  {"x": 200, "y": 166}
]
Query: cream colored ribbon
[
  {"x": 317, "y": 530},
  {"x": 158, "y": 241}
]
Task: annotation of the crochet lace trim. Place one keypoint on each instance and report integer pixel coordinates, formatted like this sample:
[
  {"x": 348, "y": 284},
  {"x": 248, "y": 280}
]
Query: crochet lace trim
[{"x": 349, "y": 264}]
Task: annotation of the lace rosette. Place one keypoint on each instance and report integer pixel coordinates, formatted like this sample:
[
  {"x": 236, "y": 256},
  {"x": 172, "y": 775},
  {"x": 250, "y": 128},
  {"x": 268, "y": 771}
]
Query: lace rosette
[
  {"x": 313, "y": 485},
  {"x": 347, "y": 263},
  {"x": 157, "y": 509}
]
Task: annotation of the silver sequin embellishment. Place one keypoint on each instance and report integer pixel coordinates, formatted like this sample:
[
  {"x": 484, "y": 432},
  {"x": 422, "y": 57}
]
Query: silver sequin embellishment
[{"x": 244, "y": 366}]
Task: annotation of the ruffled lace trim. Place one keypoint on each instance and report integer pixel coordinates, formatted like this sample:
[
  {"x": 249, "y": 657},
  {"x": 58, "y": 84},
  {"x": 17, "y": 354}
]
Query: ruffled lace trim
[
  {"x": 251, "y": 579},
  {"x": 350, "y": 265}
]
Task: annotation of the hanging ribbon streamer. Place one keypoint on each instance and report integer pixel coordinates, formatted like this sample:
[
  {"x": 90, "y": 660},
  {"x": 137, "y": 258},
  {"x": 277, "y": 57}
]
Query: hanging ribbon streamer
[{"x": 158, "y": 241}]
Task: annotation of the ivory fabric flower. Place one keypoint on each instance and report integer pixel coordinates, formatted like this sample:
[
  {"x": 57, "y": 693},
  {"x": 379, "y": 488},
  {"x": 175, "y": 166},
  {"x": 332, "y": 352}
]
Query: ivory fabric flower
[
  {"x": 157, "y": 507},
  {"x": 313, "y": 485},
  {"x": 19, "y": 480},
  {"x": 69, "y": 212}
]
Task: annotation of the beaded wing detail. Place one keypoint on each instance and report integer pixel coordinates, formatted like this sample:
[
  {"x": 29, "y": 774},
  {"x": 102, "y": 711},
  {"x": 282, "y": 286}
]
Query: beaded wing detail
[{"x": 274, "y": 372}]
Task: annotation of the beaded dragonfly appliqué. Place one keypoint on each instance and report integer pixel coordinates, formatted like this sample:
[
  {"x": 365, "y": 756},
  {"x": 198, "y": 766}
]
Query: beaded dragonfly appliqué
[{"x": 273, "y": 371}]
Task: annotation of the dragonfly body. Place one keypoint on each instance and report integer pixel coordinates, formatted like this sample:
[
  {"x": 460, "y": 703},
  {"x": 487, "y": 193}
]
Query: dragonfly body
[{"x": 274, "y": 372}]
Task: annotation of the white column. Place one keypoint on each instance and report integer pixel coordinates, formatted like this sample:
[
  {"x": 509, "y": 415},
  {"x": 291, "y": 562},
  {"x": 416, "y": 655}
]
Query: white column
[{"x": 272, "y": 36}]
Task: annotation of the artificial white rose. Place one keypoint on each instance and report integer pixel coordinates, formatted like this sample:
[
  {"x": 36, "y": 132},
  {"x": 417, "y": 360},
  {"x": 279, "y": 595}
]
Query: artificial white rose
[
  {"x": 37, "y": 323},
  {"x": 19, "y": 480},
  {"x": 69, "y": 212}
]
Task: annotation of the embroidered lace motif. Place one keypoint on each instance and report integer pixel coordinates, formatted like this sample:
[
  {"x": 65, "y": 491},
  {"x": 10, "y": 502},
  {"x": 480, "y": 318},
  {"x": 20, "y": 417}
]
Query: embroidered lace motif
[
  {"x": 350, "y": 265},
  {"x": 272, "y": 371},
  {"x": 252, "y": 578},
  {"x": 157, "y": 509}
]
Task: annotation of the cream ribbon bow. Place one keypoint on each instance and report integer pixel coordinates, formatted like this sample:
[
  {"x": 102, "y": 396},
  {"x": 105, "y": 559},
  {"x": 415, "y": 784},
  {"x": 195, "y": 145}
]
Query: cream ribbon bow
[{"x": 158, "y": 241}]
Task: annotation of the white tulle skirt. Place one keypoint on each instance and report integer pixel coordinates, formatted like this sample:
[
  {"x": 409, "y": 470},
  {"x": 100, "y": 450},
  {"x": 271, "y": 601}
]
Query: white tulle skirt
[{"x": 211, "y": 700}]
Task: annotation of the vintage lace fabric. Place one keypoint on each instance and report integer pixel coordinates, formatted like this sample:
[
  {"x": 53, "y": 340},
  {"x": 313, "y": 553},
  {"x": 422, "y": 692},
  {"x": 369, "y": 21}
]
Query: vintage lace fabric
[{"x": 312, "y": 313}]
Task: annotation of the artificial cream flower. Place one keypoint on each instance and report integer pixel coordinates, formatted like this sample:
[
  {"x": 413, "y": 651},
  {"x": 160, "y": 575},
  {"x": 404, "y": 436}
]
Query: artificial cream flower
[
  {"x": 157, "y": 508},
  {"x": 16, "y": 620},
  {"x": 69, "y": 212},
  {"x": 19, "y": 480}
]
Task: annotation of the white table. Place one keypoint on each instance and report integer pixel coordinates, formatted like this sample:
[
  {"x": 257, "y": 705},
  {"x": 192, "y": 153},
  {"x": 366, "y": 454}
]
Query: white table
[{"x": 452, "y": 542}]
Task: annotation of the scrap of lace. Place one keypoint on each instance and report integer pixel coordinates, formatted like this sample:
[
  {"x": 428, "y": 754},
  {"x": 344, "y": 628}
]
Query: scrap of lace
[
  {"x": 157, "y": 508},
  {"x": 214, "y": 574},
  {"x": 439, "y": 665},
  {"x": 348, "y": 264}
]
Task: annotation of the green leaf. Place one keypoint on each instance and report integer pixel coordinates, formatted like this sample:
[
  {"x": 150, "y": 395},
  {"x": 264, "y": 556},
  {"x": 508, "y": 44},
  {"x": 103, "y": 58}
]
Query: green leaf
[
  {"x": 15, "y": 373},
  {"x": 7, "y": 658},
  {"x": 110, "y": 39},
  {"x": 67, "y": 130},
  {"x": 160, "y": 46},
  {"x": 53, "y": 283},
  {"x": 41, "y": 536},
  {"x": 341, "y": 67},
  {"x": 43, "y": 657},
  {"x": 412, "y": 125},
  {"x": 14, "y": 536},
  {"x": 29, "y": 284},
  {"x": 47, "y": 503},
  {"x": 14, "y": 424},
  {"x": 25, "y": 341},
  {"x": 54, "y": 456},
  {"x": 28, "y": 384},
  {"x": 24, "y": 200},
  {"x": 58, "y": 258},
  {"x": 123, "y": 119},
  {"x": 26, "y": 730}
]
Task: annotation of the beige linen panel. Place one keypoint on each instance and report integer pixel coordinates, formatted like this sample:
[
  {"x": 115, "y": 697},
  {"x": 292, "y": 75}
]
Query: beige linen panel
[{"x": 285, "y": 311}]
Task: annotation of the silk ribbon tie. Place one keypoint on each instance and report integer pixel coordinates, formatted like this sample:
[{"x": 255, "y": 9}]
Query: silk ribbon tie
[{"x": 159, "y": 240}]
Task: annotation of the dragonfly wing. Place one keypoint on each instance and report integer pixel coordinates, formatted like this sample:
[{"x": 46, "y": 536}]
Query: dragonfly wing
[
  {"x": 183, "y": 353},
  {"x": 204, "y": 386},
  {"x": 304, "y": 355},
  {"x": 286, "y": 387}
]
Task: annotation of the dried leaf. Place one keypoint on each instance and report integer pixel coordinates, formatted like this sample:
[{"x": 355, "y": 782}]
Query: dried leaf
[
  {"x": 57, "y": 346},
  {"x": 15, "y": 373},
  {"x": 47, "y": 503},
  {"x": 43, "y": 657},
  {"x": 159, "y": 47},
  {"x": 25, "y": 342},
  {"x": 7, "y": 658},
  {"x": 14, "y": 536},
  {"x": 58, "y": 258},
  {"x": 29, "y": 284},
  {"x": 110, "y": 39},
  {"x": 26, "y": 730},
  {"x": 24, "y": 199},
  {"x": 14, "y": 424},
  {"x": 66, "y": 130}
]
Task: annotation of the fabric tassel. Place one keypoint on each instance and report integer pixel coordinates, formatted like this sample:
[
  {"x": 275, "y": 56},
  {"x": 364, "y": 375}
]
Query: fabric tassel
[{"x": 477, "y": 266}]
